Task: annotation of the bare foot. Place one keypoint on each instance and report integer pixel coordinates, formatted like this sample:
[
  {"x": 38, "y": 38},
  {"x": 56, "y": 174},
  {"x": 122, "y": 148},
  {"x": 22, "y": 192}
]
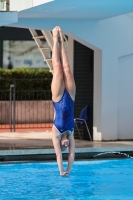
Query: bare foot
[
  {"x": 60, "y": 34},
  {"x": 55, "y": 32}
]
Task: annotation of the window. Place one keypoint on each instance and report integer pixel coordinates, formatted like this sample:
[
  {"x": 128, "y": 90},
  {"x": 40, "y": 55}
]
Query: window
[{"x": 22, "y": 54}]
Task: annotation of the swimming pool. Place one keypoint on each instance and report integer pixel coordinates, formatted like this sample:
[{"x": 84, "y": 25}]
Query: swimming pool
[{"x": 94, "y": 180}]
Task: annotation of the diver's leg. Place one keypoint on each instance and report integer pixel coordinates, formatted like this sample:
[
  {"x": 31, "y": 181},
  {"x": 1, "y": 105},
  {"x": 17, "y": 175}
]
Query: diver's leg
[
  {"x": 68, "y": 76},
  {"x": 57, "y": 86}
]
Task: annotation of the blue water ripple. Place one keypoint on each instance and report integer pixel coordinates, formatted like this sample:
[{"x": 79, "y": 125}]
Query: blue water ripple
[{"x": 93, "y": 180}]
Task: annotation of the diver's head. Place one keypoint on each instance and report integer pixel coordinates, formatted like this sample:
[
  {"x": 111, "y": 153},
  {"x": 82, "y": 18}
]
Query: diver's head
[{"x": 64, "y": 142}]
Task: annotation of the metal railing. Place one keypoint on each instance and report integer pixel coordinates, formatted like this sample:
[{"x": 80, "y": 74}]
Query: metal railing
[{"x": 25, "y": 109}]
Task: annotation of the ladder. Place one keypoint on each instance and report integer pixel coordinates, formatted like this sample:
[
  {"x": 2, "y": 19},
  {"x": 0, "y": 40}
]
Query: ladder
[{"x": 45, "y": 50}]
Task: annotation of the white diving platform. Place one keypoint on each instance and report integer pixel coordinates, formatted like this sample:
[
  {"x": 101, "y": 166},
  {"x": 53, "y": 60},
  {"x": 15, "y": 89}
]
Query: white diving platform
[{"x": 8, "y": 18}]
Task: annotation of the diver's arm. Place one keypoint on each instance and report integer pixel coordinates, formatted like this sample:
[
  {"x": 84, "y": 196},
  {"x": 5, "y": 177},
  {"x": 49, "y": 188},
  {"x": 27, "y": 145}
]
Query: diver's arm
[
  {"x": 56, "y": 143},
  {"x": 71, "y": 155}
]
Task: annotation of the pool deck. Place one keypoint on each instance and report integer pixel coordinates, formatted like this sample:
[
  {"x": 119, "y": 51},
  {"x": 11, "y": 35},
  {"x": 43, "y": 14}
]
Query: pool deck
[{"x": 40, "y": 143}]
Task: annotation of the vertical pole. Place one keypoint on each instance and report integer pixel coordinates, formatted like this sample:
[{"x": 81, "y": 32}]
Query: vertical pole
[
  {"x": 97, "y": 96},
  {"x": 7, "y": 5},
  {"x": 1, "y": 47},
  {"x": 11, "y": 86},
  {"x": 14, "y": 106}
]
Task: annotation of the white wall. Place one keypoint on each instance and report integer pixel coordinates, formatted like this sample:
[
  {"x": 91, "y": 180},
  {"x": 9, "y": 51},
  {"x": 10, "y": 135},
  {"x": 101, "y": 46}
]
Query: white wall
[
  {"x": 38, "y": 2},
  {"x": 18, "y": 5},
  {"x": 125, "y": 97}
]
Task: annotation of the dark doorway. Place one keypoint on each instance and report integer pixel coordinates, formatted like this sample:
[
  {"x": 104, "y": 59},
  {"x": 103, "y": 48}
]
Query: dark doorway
[{"x": 83, "y": 73}]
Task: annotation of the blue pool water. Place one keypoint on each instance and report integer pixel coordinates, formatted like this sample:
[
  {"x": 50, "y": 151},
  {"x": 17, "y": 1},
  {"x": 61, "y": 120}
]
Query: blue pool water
[{"x": 93, "y": 180}]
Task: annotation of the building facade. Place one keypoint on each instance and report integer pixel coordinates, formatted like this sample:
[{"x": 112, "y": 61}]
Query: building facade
[{"x": 108, "y": 32}]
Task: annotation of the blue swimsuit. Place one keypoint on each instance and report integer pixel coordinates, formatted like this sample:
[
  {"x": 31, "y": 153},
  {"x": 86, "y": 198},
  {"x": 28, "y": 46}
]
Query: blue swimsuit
[{"x": 64, "y": 119}]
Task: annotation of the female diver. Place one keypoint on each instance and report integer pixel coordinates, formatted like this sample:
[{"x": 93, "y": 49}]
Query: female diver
[{"x": 63, "y": 95}]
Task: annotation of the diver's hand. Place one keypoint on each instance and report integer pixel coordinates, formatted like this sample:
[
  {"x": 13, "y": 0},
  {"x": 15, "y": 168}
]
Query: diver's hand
[
  {"x": 62, "y": 173},
  {"x": 66, "y": 173}
]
